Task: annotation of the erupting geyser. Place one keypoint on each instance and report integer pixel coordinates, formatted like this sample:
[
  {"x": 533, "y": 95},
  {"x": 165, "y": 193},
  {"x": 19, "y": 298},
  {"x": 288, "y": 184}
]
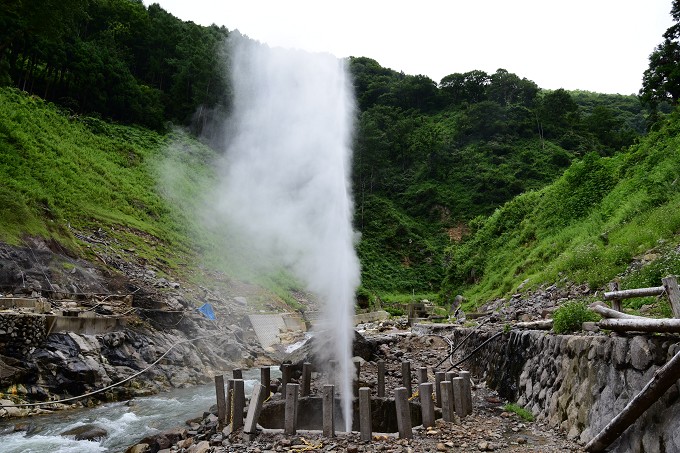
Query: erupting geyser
[{"x": 285, "y": 185}]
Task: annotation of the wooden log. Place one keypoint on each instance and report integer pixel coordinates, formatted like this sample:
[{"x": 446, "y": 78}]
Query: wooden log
[
  {"x": 616, "y": 303},
  {"x": 381, "y": 378},
  {"x": 662, "y": 380},
  {"x": 670, "y": 284},
  {"x": 607, "y": 312},
  {"x": 630, "y": 293},
  {"x": 426, "y": 403},
  {"x": 365, "y": 428},
  {"x": 237, "y": 373},
  {"x": 641, "y": 325},
  {"x": 403, "y": 413},
  {"x": 221, "y": 400},
  {"x": 543, "y": 324}
]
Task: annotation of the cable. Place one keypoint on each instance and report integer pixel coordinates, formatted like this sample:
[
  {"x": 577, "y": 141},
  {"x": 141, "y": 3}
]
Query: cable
[
  {"x": 473, "y": 351},
  {"x": 117, "y": 383},
  {"x": 462, "y": 342}
]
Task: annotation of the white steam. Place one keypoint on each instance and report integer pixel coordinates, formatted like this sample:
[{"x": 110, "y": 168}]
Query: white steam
[{"x": 285, "y": 178}]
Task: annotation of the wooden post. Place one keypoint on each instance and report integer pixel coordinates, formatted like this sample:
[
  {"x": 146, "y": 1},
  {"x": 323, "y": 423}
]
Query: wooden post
[
  {"x": 447, "y": 401},
  {"x": 290, "y": 418},
  {"x": 239, "y": 403},
  {"x": 422, "y": 375},
  {"x": 670, "y": 284},
  {"x": 357, "y": 373},
  {"x": 328, "y": 403},
  {"x": 403, "y": 412},
  {"x": 365, "y": 428},
  {"x": 439, "y": 376},
  {"x": 306, "y": 379},
  {"x": 237, "y": 373},
  {"x": 406, "y": 377},
  {"x": 221, "y": 400},
  {"x": 662, "y": 380},
  {"x": 616, "y": 303},
  {"x": 333, "y": 365},
  {"x": 467, "y": 391},
  {"x": 266, "y": 380},
  {"x": 381, "y": 379},
  {"x": 230, "y": 400},
  {"x": 254, "y": 409},
  {"x": 458, "y": 398},
  {"x": 285, "y": 377},
  {"x": 426, "y": 404}
]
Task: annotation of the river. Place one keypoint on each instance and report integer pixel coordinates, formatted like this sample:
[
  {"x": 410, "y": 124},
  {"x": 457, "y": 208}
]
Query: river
[{"x": 126, "y": 424}]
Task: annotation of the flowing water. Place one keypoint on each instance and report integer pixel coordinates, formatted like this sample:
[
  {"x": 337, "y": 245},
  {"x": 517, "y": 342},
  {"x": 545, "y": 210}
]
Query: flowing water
[{"x": 126, "y": 425}]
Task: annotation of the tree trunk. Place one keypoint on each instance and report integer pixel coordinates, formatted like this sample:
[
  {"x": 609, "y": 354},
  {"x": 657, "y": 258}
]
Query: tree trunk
[{"x": 662, "y": 380}]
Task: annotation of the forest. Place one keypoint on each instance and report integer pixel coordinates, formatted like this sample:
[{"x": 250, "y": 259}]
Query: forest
[{"x": 463, "y": 185}]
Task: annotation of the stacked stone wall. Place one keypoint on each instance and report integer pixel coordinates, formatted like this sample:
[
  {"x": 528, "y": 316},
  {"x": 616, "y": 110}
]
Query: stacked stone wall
[
  {"x": 580, "y": 383},
  {"x": 24, "y": 330}
]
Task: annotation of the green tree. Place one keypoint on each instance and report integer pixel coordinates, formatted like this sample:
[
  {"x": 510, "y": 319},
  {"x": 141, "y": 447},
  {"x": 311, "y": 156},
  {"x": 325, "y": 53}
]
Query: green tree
[{"x": 661, "y": 81}]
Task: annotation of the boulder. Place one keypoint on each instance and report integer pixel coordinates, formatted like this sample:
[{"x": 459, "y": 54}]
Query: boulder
[{"x": 86, "y": 432}]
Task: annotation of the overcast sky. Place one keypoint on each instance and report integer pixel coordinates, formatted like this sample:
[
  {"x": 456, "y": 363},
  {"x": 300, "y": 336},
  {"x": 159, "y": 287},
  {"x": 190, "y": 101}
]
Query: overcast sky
[{"x": 595, "y": 45}]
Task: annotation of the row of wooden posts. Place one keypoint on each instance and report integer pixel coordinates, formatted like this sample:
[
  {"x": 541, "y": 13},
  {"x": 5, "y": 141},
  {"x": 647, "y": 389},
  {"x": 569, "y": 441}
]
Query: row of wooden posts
[{"x": 451, "y": 391}]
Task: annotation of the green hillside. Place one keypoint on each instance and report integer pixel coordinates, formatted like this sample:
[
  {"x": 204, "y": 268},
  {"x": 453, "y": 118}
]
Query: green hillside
[
  {"x": 602, "y": 220},
  {"x": 468, "y": 185}
]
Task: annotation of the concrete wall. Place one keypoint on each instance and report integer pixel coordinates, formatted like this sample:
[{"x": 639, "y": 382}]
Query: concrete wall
[{"x": 579, "y": 383}]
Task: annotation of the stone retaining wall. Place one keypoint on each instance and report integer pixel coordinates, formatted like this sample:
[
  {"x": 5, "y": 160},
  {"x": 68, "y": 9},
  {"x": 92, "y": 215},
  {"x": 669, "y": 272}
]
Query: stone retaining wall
[
  {"x": 22, "y": 329},
  {"x": 580, "y": 383}
]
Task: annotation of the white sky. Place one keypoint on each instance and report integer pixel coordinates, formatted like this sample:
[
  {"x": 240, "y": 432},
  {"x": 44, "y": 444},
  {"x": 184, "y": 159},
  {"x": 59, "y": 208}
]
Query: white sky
[{"x": 595, "y": 45}]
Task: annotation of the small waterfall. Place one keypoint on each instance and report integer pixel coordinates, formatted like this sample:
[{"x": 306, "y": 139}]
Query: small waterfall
[{"x": 285, "y": 190}]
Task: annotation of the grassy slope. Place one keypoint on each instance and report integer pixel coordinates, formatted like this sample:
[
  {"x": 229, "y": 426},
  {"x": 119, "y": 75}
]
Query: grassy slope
[
  {"x": 588, "y": 226},
  {"x": 63, "y": 176}
]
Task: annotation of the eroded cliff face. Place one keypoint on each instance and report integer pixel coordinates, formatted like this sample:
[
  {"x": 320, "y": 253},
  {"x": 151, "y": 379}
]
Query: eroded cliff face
[{"x": 579, "y": 383}]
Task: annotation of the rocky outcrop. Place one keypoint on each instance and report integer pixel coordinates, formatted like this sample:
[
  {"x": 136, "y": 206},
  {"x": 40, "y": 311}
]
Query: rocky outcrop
[{"x": 579, "y": 383}]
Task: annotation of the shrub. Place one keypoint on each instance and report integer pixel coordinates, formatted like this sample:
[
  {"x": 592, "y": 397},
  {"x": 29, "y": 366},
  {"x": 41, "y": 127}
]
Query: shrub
[
  {"x": 523, "y": 413},
  {"x": 570, "y": 316}
]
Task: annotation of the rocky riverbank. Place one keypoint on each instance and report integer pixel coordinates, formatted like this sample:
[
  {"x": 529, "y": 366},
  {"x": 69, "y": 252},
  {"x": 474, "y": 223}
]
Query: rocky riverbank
[
  {"x": 153, "y": 338},
  {"x": 492, "y": 427}
]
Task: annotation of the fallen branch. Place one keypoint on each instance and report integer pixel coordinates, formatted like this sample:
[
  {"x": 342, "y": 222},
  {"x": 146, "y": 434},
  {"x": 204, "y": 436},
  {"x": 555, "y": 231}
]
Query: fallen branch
[
  {"x": 662, "y": 380},
  {"x": 641, "y": 325}
]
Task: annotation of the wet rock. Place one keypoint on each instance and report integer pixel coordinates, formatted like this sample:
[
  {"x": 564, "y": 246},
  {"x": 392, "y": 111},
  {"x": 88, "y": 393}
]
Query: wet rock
[{"x": 86, "y": 432}]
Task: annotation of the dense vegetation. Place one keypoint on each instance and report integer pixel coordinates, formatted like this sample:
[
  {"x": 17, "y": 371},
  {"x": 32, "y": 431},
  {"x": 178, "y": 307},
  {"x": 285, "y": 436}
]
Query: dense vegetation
[
  {"x": 479, "y": 181},
  {"x": 431, "y": 158},
  {"x": 114, "y": 58}
]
